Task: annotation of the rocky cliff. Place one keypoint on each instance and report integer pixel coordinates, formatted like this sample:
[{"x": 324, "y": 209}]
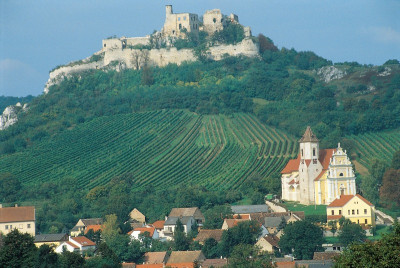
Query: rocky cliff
[{"x": 9, "y": 116}]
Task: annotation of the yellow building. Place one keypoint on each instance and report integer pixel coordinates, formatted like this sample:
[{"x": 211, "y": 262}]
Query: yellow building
[
  {"x": 21, "y": 218},
  {"x": 353, "y": 207},
  {"x": 317, "y": 176}
]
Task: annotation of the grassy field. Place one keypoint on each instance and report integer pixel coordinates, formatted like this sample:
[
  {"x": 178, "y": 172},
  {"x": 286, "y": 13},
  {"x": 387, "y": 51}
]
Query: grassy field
[{"x": 308, "y": 210}]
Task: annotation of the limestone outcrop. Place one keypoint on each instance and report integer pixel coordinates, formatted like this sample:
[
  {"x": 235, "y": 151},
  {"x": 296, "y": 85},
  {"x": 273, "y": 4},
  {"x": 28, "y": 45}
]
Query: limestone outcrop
[
  {"x": 9, "y": 116},
  {"x": 329, "y": 73}
]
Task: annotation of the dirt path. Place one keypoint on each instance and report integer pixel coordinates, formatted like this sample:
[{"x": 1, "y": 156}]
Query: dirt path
[{"x": 274, "y": 207}]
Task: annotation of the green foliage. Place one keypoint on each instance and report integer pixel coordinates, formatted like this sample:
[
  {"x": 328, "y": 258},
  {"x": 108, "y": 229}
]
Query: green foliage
[
  {"x": 210, "y": 248},
  {"x": 232, "y": 33},
  {"x": 389, "y": 192},
  {"x": 46, "y": 257},
  {"x": 265, "y": 44},
  {"x": 245, "y": 255},
  {"x": 302, "y": 239},
  {"x": 181, "y": 241},
  {"x": 7, "y": 101},
  {"x": 9, "y": 187},
  {"x": 396, "y": 160},
  {"x": 383, "y": 253},
  {"x": 214, "y": 217},
  {"x": 18, "y": 250},
  {"x": 244, "y": 233},
  {"x": 71, "y": 260},
  {"x": 350, "y": 233}
]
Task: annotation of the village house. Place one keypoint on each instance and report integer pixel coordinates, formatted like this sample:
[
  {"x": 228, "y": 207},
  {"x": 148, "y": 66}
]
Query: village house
[
  {"x": 268, "y": 243},
  {"x": 151, "y": 231},
  {"x": 76, "y": 244},
  {"x": 214, "y": 263},
  {"x": 317, "y": 176},
  {"x": 230, "y": 223},
  {"x": 185, "y": 259},
  {"x": 159, "y": 225},
  {"x": 50, "y": 239},
  {"x": 171, "y": 222},
  {"x": 21, "y": 218},
  {"x": 188, "y": 212},
  {"x": 272, "y": 221},
  {"x": 353, "y": 207},
  {"x": 136, "y": 218},
  {"x": 205, "y": 234},
  {"x": 151, "y": 258},
  {"x": 244, "y": 211},
  {"x": 82, "y": 224}
]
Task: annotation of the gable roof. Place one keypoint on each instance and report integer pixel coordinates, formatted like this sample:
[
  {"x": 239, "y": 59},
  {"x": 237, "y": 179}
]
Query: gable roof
[
  {"x": 233, "y": 222},
  {"x": 214, "y": 263},
  {"x": 344, "y": 199},
  {"x": 95, "y": 228},
  {"x": 155, "y": 257},
  {"x": 92, "y": 221},
  {"x": 205, "y": 234},
  {"x": 142, "y": 230},
  {"x": 325, "y": 255},
  {"x": 83, "y": 241},
  {"x": 272, "y": 239},
  {"x": 249, "y": 209},
  {"x": 158, "y": 224},
  {"x": 172, "y": 220},
  {"x": 17, "y": 214},
  {"x": 308, "y": 136},
  {"x": 51, "y": 238},
  {"x": 183, "y": 212},
  {"x": 71, "y": 244},
  {"x": 185, "y": 256},
  {"x": 274, "y": 221}
]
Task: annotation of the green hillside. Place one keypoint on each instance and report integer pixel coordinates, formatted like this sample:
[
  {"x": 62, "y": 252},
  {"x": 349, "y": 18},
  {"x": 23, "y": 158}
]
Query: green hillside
[{"x": 159, "y": 148}]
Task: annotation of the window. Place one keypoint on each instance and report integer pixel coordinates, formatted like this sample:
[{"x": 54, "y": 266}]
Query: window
[
  {"x": 184, "y": 18},
  {"x": 341, "y": 174},
  {"x": 352, "y": 211},
  {"x": 340, "y": 212},
  {"x": 313, "y": 151},
  {"x": 214, "y": 20},
  {"x": 6, "y": 227},
  {"x": 21, "y": 226},
  {"x": 348, "y": 212},
  {"x": 357, "y": 212},
  {"x": 302, "y": 154},
  {"x": 29, "y": 225},
  {"x": 366, "y": 221},
  {"x": 333, "y": 212},
  {"x": 105, "y": 45},
  {"x": 365, "y": 211},
  {"x": 179, "y": 18}
]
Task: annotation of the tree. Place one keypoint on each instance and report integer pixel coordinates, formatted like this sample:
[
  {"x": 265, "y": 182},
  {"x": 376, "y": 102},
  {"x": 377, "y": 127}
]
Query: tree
[
  {"x": 282, "y": 224},
  {"x": 47, "y": 257},
  {"x": 181, "y": 242},
  {"x": 110, "y": 228},
  {"x": 390, "y": 189},
  {"x": 139, "y": 58},
  {"x": 302, "y": 239},
  {"x": 350, "y": 233},
  {"x": 266, "y": 44},
  {"x": 9, "y": 187},
  {"x": 18, "y": 250},
  {"x": 333, "y": 226},
  {"x": 384, "y": 253},
  {"x": 214, "y": 217},
  {"x": 245, "y": 255},
  {"x": 210, "y": 248},
  {"x": 71, "y": 260}
]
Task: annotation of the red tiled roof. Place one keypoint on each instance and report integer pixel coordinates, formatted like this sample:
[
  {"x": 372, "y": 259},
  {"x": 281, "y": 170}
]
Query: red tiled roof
[
  {"x": 71, "y": 244},
  {"x": 233, "y": 222},
  {"x": 308, "y": 161},
  {"x": 242, "y": 216},
  {"x": 142, "y": 230},
  {"x": 308, "y": 136},
  {"x": 155, "y": 257},
  {"x": 334, "y": 217},
  {"x": 292, "y": 165},
  {"x": 204, "y": 234},
  {"x": 95, "y": 228},
  {"x": 340, "y": 202},
  {"x": 17, "y": 214},
  {"x": 83, "y": 241},
  {"x": 154, "y": 265},
  {"x": 324, "y": 158},
  {"x": 158, "y": 224},
  {"x": 285, "y": 264},
  {"x": 344, "y": 199}
]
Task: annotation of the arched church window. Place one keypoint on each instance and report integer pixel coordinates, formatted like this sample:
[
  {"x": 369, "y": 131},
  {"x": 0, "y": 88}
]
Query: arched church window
[
  {"x": 313, "y": 151},
  {"x": 302, "y": 153}
]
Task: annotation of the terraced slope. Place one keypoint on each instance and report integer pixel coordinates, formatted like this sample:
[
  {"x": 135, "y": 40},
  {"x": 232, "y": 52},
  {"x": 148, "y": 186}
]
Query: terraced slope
[
  {"x": 381, "y": 145},
  {"x": 158, "y": 148}
]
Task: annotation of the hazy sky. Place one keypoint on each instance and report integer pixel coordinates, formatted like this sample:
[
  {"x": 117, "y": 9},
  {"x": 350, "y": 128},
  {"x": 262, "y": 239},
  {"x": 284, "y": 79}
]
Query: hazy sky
[{"x": 37, "y": 35}]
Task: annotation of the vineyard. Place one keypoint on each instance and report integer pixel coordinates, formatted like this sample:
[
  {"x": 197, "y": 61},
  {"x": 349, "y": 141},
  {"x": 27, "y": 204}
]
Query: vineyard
[
  {"x": 157, "y": 148},
  {"x": 379, "y": 145}
]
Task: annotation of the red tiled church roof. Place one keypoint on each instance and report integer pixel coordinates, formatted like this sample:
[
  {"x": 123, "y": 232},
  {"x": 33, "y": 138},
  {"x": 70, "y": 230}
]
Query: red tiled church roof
[{"x": 292, "y": 165}]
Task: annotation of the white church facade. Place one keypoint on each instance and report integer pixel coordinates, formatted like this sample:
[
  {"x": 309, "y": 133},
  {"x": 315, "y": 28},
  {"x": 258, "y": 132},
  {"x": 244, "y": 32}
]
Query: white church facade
[{"x": 317, "y": 176}]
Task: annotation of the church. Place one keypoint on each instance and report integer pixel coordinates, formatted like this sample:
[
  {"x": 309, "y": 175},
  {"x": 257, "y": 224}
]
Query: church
[{"x": 317, "y": 176}]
